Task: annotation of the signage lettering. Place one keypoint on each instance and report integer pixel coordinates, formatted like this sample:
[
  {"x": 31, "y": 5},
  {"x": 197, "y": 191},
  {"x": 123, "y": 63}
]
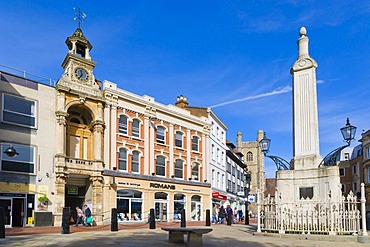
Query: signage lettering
[{"x": 162, "y": 186}]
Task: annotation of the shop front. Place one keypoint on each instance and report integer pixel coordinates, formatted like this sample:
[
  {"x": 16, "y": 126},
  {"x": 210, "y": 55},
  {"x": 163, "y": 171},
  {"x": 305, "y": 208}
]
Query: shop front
[
  {"x": 134, "y": 198},
  {"x": 218, "y": 198}
]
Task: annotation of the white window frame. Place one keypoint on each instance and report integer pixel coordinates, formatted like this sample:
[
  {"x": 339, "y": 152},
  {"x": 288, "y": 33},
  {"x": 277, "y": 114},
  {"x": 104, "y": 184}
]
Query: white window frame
[
  {"x": 21, "y": 158},
  {"x": 122, "y": 127},
  {"x": 178, "y": 134},
  {"x": 135, "y": 163},
  {"x": 31, "y": 115},
  {"x": 135, "y": 130},
  {"x": 159, "y": 137},
  {"x": 122, "y": 159}
]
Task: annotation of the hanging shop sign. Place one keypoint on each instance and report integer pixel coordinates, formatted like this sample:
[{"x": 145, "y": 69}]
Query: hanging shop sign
[{"x": 217, "y": 195}]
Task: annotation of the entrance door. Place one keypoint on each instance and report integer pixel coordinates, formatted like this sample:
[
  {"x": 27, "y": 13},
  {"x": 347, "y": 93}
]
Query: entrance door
[
  {"x": 17, "y": 212},
  {"x": 6, "y": 204},
  {"x": 161, "y": 211}
]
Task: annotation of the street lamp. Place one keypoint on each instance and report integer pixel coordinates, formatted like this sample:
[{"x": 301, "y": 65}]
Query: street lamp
[
  {"x": 246, "y": 193},
  {"x": 348, "y": 133},
  {"x": 11, "y": 152},
  {"x": 281, "y": 164}
]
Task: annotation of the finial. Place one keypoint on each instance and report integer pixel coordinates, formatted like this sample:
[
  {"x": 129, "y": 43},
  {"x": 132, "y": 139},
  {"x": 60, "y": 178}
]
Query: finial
[
  {"x": 79, "y": 16},
  {"x": 302, "y": 31}
]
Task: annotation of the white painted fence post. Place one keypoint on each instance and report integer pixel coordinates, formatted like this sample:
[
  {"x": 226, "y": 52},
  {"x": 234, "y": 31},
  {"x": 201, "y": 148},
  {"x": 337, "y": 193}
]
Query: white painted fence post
[
  {"x": 258, "y": 211},
  {"x": 363, "y": 210}
]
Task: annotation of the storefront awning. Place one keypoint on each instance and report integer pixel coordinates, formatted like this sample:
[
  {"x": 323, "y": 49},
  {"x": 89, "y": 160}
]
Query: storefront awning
[{"x": 217, "y": 195}]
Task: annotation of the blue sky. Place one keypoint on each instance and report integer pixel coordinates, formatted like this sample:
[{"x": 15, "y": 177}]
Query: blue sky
[{"x": 212, "y": 52}]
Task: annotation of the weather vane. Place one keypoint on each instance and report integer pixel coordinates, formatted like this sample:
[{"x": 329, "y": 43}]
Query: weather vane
[{"x": 79, "y": 16}]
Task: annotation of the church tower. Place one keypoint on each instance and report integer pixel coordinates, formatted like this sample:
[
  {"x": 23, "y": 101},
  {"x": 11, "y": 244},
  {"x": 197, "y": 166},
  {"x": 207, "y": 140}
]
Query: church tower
[
  {"x": 306, "y": 153},
  {"x": 80, "y": 127}
]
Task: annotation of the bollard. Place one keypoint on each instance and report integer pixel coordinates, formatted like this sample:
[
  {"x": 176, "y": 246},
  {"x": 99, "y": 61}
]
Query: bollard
[
  {"x": 2, "y": 223},
  {"x": 151, "y": 219},
  {"x": 183, "y": 218},
  {"x": 65, "y": 220},
  {"x": 114, "y": 220},
  {"x": 208, "y": 217}
]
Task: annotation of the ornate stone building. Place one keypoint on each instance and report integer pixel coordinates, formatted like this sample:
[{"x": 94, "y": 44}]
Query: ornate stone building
[{"x": 79, "y": 132}]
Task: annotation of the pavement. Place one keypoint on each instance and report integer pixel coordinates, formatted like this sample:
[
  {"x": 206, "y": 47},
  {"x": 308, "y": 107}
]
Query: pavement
[{"x": 136, "y": 235}]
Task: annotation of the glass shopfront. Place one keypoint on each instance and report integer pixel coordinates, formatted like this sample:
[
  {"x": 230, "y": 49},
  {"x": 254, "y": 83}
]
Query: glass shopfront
[
  {"x": 129, "y": 205},
  {"x": 179, "y": 204},
  {"x": 161, "y": 202},
  {"x": 196, "y": 208}
]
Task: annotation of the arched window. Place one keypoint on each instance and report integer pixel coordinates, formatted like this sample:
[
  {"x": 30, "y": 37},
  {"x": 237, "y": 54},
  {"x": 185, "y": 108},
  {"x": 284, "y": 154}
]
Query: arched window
[
  {"x": 136, "y": 128},
  {"x": 160, "y": 135},
  {"x": 195, "y": 143},
  {"x": 122, "y": 159},
  {"x": 160, "y": 168},
  {"x": 178, "y": 139},
  {"x": 122, "y": 126},
  {"x": 135, "y": 162},
  {"x": 179, "y": 169},
  {"x": 195, "y": 171},
  {"x": 249, "y": 156}
]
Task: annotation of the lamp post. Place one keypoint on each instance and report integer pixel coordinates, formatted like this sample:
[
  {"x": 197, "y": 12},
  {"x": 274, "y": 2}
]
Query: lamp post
[
  {"x": 281, "y": 164},
  {"x": 11, "y": 152},
  {"x": 348, "y": 133},
  {"x": 246, "y": 193}
]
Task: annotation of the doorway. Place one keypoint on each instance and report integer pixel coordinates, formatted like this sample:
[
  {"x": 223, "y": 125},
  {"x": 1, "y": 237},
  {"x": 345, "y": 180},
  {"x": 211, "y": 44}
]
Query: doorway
[
  {"x": 6, "y": 204},
  {"x": 161, "y": 211}
]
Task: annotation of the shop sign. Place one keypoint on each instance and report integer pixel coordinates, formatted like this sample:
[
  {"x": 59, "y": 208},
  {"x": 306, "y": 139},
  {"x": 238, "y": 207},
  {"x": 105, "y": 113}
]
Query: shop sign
[
  {"x": 162, "y": 186},
  {"x": 72, "y": 190},
  {"x": 131, "y": 184},
  {"x": 12, "y": 195},
  {"x": 252, "y": 198},
  {"x": 217, "y": 195},
  {"x": 240, "y": 193}
]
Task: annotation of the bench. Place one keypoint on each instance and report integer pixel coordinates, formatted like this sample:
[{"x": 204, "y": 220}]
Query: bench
[{"x": 194, "y": 238}]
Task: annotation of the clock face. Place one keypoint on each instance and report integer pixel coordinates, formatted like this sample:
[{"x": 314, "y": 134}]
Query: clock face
[{"x": 81, "y": 74}]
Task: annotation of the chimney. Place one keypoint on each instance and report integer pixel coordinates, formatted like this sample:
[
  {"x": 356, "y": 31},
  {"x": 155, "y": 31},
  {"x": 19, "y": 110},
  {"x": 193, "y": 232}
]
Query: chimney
[{"x": 181, "y": 102}]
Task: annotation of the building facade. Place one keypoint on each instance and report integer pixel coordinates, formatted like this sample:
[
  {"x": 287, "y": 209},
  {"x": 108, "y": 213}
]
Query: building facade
[
  {"x": 365, "y": 140},
  {"x": 217, "y": 152},
  {"x": 155, "y": 156},
  {"x": 27, "y": 120}
]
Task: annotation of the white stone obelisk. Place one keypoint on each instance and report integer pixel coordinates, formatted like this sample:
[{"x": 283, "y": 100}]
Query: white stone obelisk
[{"x": 306, "y": 153}]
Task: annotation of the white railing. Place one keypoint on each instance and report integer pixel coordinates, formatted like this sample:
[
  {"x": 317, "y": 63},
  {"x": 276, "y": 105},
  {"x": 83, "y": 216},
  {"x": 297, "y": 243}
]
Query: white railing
[
  {"x": 312, "y": 216},
  {"x": 26, "y": 75}
]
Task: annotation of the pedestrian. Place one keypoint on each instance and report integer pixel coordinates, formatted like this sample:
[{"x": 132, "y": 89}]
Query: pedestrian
[
  {"x": 240, "y": 214},
  {"x": 80, "y": 216},
  {"x": 214, "y": 214},
  {"x": 229, "y": 213},
  {"x": 88, "y": 216},
  {"x": 222, "y": 214}
]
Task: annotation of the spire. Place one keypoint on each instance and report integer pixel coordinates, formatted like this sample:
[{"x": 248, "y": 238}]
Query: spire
[{"x": 303, "y": 44}]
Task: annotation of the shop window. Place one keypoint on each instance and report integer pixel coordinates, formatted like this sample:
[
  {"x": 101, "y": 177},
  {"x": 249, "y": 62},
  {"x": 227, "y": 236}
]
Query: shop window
[
  {"x": 178, "y": 139},
  {"x": 179, "y": 205},
  {"x": 135, "y": 164},
  {"x": 179, "y": 168},
  {"x": 129, "y": 205},
  {"x": 23, "y": 162},
  {"x": 160, "y": 168},
  {"x": 160, "y": 135},
  {"x": 135, "y": 128},
  {"x": 122, "y": 126},
  {"x": 195, "y": 171},
  {"x": 160, "y": 206},
  {"x": 19, "y": 111},
  {"x": 122, "y": 160},
  {"x": 196, "y": 208},
  {"x": 195, "y": 143}
]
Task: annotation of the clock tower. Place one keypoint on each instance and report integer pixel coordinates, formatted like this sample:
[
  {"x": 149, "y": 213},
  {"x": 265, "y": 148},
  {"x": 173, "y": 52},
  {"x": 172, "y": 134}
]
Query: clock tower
[{"x": 80, "y": 127}]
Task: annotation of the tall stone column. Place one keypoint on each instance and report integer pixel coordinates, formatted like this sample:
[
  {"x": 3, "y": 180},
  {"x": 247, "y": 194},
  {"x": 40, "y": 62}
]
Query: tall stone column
[
  {"x": 98, "y": 130},
  {"x": 107, "y": 150},
  {"x": 113, "y": 137},
  {"x": 60, "y": 183},
  {"x": 97, "y": 197},
  {"x": 146, "y": 145},
  {"x": 172, "y": 161},
  {"x": 188, "y": 153}
]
